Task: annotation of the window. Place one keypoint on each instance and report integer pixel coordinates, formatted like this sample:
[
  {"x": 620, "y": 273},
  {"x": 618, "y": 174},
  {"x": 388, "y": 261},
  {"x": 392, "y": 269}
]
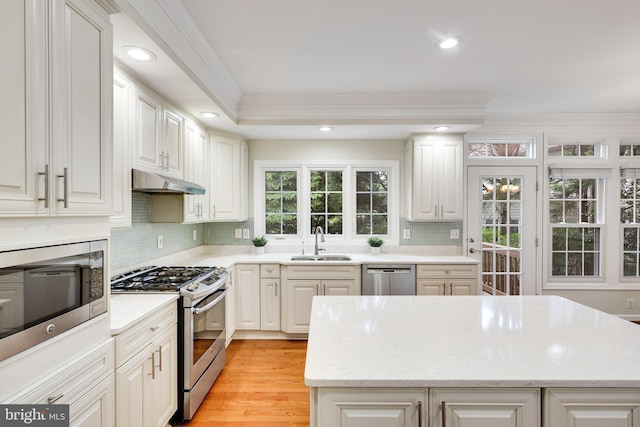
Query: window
[
  {"x": 326, "y": 201},
  {"x": 630, "y": 221},
  {"x": 281, "y": 202},
  {"x": 575, "y": 232},
  {"x": 501, "y": 148},
  {"x": 349, "y": 201},
  {"x": 372, "y": 206}
]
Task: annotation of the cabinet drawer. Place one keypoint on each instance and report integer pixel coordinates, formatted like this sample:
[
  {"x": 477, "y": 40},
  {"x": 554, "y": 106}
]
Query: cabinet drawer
[
  {"x": 270, "y": 271},
  {"x": 142, "y": 333},
  {"x": 322, "y": 272},
  {"x": 427, "y": 271},
  {"x": 72, "y": 381}
]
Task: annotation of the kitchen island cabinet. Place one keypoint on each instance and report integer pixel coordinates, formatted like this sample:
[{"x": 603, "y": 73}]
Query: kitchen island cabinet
[
  {"x": 55, "y": 126},
  {"x": 479, "y": 360}
]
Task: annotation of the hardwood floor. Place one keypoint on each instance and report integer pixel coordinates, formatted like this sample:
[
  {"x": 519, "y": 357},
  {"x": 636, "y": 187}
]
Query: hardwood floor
[{"x": 261, "y": 385}]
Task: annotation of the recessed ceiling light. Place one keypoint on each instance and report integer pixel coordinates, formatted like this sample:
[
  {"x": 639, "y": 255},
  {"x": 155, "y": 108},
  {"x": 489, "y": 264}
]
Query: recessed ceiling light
[
  {"x": 210, "y": 114},
  {"x": 441, "y": 128},
  {"x": 448, "y": 42},
  {"x": 325, "y": 128},
  {"x": 140, "y": 53}
]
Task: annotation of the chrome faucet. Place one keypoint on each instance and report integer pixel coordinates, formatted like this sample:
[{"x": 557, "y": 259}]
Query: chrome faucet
[{"x": 316, "y": 248}]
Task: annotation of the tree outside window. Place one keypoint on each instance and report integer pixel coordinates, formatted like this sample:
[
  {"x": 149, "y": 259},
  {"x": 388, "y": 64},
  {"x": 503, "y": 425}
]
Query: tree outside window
[
  {"x": 372, "y": 195},
  {"x": 281, "y": 202},
  {"x": 326, "y": 201}
]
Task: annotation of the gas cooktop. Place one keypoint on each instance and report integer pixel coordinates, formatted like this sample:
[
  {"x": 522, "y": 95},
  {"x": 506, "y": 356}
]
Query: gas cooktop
[{"x": 166, "y": 279}]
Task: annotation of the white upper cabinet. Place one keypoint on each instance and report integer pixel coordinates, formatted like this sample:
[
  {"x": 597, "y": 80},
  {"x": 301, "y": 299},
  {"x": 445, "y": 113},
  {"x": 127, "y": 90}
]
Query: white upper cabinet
[
  {"x": 121, "y": 152},
  {"x": 433, "y": 166},
  {"x": 196, "y": 206},
  {"x": 228, "y": 178},
  {"x": 56, "y": 104},
  {"x": 158, "y": 136}
]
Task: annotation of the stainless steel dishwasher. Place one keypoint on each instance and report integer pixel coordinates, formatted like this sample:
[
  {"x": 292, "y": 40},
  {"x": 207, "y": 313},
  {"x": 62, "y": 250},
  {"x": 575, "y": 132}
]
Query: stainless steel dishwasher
[{"x": 378, "y": 279}]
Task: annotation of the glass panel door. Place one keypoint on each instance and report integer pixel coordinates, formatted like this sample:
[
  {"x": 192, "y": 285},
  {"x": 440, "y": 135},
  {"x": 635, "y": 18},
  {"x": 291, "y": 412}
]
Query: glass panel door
[{"x": 502, "y": 227}]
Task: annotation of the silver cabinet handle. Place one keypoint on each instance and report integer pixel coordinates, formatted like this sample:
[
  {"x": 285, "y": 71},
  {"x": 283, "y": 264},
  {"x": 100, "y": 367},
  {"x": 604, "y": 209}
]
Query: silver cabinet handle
[
  {"x": 154, "y": 328},
  {"x": 275, "y": 288},
  {"x": 65, "y": 188},
  {"x": 443, "y": 407},
  {"x": 166, "y": 157},
  {"x": 153, "y": 365},
  {"x": 161, "y": 158},
  {"x": 420, "y": 413},
  {"x": 435, "y": 208},
  {"x": 46, "y": 186},
  {"x": 451, "y": 288},
  {"x": 160, "y": 358},
  {"x": 444, "y": 288},
  {"x": 441, "y": 211},
  {"x": 472, "y": 250},
  {"x": 53, "y": 399}
]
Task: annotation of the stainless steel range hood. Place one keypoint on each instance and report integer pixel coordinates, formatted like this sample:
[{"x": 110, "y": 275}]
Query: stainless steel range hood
[{"x": 146, "y": 182}]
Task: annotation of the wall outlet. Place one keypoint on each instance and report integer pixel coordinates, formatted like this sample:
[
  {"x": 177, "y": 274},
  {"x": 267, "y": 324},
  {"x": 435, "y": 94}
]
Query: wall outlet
[
  {"x": 406, "y": 233},
  {"x": 195, "y": 234},
  {"x": 245, "y": 233},
  {"x": 160, "y": 241},
  {"x": 631, "y": 303},
  {"x": 238, "y": 233},
  {"x": 454, "y": 234}
]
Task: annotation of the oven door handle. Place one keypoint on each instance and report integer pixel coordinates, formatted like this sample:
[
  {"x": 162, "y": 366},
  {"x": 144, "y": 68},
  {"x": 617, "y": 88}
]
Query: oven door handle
[{"x": 198, "y": 310}]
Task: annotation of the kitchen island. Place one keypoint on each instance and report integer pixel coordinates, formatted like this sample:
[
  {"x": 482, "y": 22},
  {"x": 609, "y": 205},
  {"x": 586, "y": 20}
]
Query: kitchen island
[{"x": 472, "y": 361}]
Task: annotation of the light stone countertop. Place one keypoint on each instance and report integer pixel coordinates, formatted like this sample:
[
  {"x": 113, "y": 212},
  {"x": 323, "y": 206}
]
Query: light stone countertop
[
  {"x": 468, "y": 341},
  {"x": 127, "y": 309}
]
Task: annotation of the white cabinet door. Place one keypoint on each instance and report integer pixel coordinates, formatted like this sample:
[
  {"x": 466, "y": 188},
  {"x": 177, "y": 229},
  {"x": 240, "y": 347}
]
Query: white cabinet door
[
  {"x": 592, "y": 407},
  {"x": 228, "y": 178},
  {"x": 371, "y": 408},
  {"x": 434, "y": 177},
  {"x": 338, "y": 287},
  {"x": 23, "y": 110},
  {"x": 484, "y": 407},
  {"x": 270, "y": 304},
  {"x": 81, "y": 108},
  {"x": 96, "y": 408},
  {"x": 247, "y": 284},
  {"x": 133, "y": 389},
  {"x": 297, "y": 298},
  {"x": 165, "y": 378},
  {"x": 195, "y": 170},
  {"x": 147, "y": 154},
  {"x": 172, "y": 144},
  {"x": 121, "y": 189}
]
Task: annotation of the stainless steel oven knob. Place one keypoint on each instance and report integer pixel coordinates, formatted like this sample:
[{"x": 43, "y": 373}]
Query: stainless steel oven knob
[{"x": 50, "y": 328}]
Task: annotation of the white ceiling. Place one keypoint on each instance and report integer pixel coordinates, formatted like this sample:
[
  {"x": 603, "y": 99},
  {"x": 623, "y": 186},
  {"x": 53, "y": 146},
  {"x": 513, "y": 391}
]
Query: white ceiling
[{"x": 373, "y": 69}]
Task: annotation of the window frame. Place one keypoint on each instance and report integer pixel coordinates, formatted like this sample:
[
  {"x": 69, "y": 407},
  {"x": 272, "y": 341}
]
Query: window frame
[{"x": 349, "y": 236}]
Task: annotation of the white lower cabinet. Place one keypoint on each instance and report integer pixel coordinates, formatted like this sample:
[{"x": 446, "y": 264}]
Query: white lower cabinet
[
  {"x": 146, "y": 374},
  {"x": 301, "y": 283},
  {"x": 371, "y": 408},
  {"x": 471, "y": 407},
  {"x": 270, "y": 297},
  {"x": 574, "y": 407},
  {"x": 247, "y": 296},
  {"x": 447, "y": 279},
  {"x": 85, "y": 384}
]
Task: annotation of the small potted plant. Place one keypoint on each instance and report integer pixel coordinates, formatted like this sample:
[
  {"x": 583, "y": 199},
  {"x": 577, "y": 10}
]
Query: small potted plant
[
  {"x": 259, "y": 242},
  {"x": 375, "y": 243}
]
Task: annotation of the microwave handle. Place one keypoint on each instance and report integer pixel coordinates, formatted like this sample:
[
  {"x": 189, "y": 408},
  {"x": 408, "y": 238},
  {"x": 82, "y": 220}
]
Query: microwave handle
[{"x": 198, "y": 310}]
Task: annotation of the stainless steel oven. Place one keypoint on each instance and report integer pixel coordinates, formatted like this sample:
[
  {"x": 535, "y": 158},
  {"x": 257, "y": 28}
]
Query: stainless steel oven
[
  {"x": 48, "y": 290},
  {"x": 204, "y": 344}
]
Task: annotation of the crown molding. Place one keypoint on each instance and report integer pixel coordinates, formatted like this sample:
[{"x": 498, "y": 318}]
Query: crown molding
[
  {"x": 168, "y": 24},
  {"x": 395, "y": 108}
]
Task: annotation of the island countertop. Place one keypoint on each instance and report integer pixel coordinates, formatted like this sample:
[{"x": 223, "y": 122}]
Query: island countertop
[{"x": 474, "y": 341}]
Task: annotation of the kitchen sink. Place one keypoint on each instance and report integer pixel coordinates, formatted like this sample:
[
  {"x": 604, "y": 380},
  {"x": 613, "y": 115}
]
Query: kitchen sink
[{"x": 328, "y": 257}]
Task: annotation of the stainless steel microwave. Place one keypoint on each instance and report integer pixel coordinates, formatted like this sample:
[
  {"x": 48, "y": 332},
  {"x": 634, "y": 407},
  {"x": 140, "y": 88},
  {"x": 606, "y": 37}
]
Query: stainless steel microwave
[{"x": 49, "y": 290}]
